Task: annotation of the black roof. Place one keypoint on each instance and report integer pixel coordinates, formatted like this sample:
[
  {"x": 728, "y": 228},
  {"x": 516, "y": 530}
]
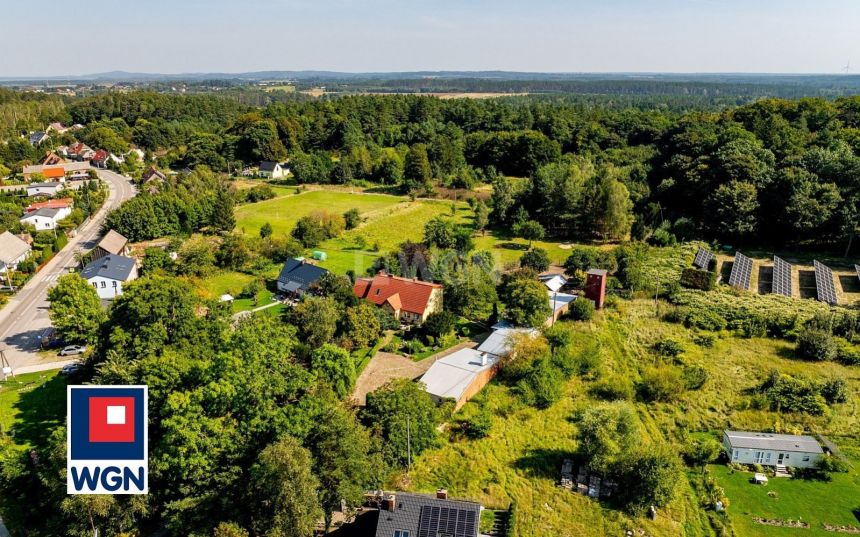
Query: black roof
[
  {"x": 427, "y": 516},
  {"x": 268, "y": 166},
  {"x": 304, "y": 274},
  {"x": 113, "y": 267}
]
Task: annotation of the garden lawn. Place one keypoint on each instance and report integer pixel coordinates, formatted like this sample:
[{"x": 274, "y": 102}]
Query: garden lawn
[
  {"x": 32, "y": 405},
  {"x": 232, "y": 283},
  {"x": 815, "y": 502},
  {"x": 283, "y": 212}
]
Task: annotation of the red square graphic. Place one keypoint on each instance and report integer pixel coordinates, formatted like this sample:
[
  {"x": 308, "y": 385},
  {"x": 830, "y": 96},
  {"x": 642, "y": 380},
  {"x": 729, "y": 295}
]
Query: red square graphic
[{"x": 111, "y": 419}]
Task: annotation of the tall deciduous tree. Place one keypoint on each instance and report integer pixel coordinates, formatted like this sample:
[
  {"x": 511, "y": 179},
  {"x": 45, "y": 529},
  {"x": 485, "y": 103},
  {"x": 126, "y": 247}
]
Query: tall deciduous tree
[
  {"x": 283, "y": 491},
  {"x": 416, "y": 168},
  {"x": 343, "y": 461},
  {"x": 415, "y": 417},
  {"x": 334, "y": 366},
  {"x": 75, "y": 309}
]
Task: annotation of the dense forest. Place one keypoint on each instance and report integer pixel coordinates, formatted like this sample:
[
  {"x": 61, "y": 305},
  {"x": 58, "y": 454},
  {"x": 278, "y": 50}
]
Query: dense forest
[{"x": 770, "y": 171}]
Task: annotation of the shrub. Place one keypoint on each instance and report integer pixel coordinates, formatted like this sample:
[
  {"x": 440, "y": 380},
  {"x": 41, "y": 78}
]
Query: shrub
[
  {"x": 846, "y": 353},
  {"x": 835, "y": 391},
  {"x": 613, "y": 388},
  {"x": 793, "y": 394},
  {"x": 754, "y": 326},
  {"x": 704, "y": 451},
  {"x": 831, "y": 464},
  {"x": 581, "y": 309},
  {"x": 704, "y": 319},
  {"x": 703, "y": 280},
  {"x": 816, "y": 344},
  {"x": 542, "y": 385},
  {"x": 663, "y": 383},
  {"x": 669, "y": 348},
  {"x": 694, "y": 376},
  {"x": 704, "y": 340},
  {"x": 480, "y": 424},
  {"x": 536, "y": 259}
]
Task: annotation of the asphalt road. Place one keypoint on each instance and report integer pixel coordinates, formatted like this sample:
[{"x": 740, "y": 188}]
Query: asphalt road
[{"x": 25, "y": 317}]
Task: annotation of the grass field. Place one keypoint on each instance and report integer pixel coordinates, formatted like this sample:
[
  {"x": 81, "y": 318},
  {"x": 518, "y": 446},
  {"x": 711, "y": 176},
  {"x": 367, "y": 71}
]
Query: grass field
[
  {"x": 284, "y": 211},
  {"x": 520, "y": 459},
  {"x": 383, "y": 231},
  {"x": 30, "y": 406},
  {"x": 814, "y": 502}
]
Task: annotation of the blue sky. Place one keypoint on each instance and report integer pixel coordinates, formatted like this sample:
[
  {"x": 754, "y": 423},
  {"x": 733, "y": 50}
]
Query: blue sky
[{"x": 175, "y": 36}]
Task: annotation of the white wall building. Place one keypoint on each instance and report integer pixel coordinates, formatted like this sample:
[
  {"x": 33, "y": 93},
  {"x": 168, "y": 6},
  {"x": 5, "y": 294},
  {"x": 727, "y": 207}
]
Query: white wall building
[
  {"x": 770, "y": 449},
  {"x": 108, "y": 274},
  {"x": 46, "y": 218},
  {"x": 12, "y": 251},
  {"x": 43, "y": 189}
]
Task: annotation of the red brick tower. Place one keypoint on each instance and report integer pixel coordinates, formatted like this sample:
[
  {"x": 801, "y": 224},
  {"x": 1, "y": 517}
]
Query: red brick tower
[{"x": 595, "y": 287}]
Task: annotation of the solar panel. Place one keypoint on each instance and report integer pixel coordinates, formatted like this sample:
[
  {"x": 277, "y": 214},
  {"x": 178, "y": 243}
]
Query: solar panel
[
  {"x": 741, "y": 272},
  {"x": 857, "y": 270},
  {"x": 435, "y": 521},
  {"x": 703, "y": 258},
  {"x": 824, "y": 283},
  {"x": 781, "y": 277}
]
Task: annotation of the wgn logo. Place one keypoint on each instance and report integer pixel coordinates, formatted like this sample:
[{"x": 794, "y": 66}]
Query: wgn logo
[{"x": 107, "y": 443}]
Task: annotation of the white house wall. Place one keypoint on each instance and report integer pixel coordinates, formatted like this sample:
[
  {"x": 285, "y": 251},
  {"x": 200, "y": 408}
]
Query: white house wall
[{"x": 770, "y": 457}]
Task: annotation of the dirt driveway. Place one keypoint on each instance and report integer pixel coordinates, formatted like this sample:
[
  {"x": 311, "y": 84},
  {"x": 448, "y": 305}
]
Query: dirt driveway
[{"x": 385, "y": 366}]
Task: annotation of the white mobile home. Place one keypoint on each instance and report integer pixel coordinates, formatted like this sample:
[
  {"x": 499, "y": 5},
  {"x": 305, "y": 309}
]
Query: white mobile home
[{"x": 770, "y": 449}]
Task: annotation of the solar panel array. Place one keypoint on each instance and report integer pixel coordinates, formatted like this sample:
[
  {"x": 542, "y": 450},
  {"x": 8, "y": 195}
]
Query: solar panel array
[
  {"x": 824, "y": 283},
  {"x": 451, "y": 521},
  {"x": 741, "y": 272},
  {"x": 781, "y": 277},
  {"x": 703, "y": 258},
  {"x": 857, "y": 270}
]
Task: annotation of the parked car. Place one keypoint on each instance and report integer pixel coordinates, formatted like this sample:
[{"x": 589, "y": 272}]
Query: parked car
[
  {"x": 70, "y": 369},
  {"x": 73, "y": 350}
]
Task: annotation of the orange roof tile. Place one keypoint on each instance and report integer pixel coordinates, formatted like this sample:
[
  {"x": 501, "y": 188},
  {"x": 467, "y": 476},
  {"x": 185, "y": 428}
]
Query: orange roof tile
[
  {"x": 412, "y": 295},
  {"x": 53, "y": 173}
]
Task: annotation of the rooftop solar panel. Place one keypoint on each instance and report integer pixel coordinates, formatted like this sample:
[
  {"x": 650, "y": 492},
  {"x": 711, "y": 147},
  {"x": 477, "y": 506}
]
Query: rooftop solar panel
[
  {"x": 703, "y": 258},
  {"x": 824, "y": 283},
  {"x": 741, "y": 272},
  {"x": 781, "y": 277},
  {"x": 435, "y": 521}
]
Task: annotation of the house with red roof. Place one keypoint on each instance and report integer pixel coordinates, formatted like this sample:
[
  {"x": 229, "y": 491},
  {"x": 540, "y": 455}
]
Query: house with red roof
[
  {"x": 410, "y": 300},
  {"x": 100, "y": 159},
  {"x": 62, "y": 203}
]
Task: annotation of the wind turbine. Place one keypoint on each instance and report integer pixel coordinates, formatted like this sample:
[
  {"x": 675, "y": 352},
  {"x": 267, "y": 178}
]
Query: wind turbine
[{"x": 847, "y": 67}]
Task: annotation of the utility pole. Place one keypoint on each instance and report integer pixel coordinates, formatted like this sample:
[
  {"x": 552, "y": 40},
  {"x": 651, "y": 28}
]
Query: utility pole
[{"x": 408, "y": 444}]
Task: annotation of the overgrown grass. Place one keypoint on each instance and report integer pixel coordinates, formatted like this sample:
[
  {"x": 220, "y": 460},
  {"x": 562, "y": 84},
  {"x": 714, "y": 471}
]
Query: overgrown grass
[{"x": 521, "y": 458}]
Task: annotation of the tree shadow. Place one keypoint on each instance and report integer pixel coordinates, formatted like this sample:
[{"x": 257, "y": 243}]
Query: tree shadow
[
  {"x": 41, "y": 410},
  {"x": 29, "y": 340},
  {"x": 512, "y": 246},
  {"x": 543, "y": 462},
  {"x": 363, "y": 525},
  {"x": 806, "y": 279},
  {"x": 788, "y": 353},
  {"x": 726, "y": 270},
  {"x": 856, "y": 512},
  {"x": 765, "y": 280},
  {"x": 850, "y": 284}
]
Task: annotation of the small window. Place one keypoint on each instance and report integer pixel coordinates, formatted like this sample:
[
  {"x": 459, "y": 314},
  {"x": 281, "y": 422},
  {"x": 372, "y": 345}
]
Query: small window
[
  {"x": 377, "y": 294},
  {"x": 786, "y": 455},
  {"x": 734, "y": 454},
  {"x": 806, "y": 458},
  {"x": 96, "y": 285},
  {"x": 401, "y": 533},
  {"x": 114, "y": 283},
  {"x": 103, "y": 285}
]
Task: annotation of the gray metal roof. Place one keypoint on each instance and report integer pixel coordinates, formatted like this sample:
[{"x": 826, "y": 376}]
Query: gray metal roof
[
  {"x": 112, "y": 267},
  {"x": 113, "y": 242},
  {"x": 44, "y": 211},
  {"x": 45, "y": 185},
  {"x": 305, "y": 274},
  {"x": 773, "y": 441},
  {"x": 268, "y": 166},
  {"x": 407, "y": 515}
]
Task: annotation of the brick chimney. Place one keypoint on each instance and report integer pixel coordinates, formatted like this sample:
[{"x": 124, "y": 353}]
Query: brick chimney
[
  {"x": 441, "y": 494},
  {"x": 595, "y": 287},
  {"x": 390, "y": 503}
]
